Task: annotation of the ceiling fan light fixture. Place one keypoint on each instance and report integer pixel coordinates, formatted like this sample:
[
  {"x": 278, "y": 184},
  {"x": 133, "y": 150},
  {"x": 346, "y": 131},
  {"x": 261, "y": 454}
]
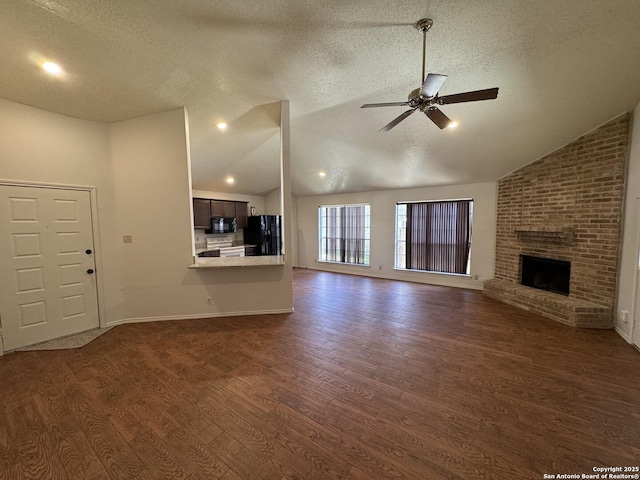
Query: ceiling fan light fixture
[
  {"x": 222, "y": 126},
  {"x": 230, "y": 180},
  {"x": 322, "y": 174},
  {"x": 452, "y": 124}
]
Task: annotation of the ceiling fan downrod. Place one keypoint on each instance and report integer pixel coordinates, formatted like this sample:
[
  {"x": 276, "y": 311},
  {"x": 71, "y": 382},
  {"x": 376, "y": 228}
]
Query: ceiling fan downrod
[{"x": 423, "y": 26}]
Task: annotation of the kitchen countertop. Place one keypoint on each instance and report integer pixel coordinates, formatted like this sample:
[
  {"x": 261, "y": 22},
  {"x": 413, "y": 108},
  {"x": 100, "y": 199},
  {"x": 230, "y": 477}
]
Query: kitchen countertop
[{"x": 238, "y": 262}]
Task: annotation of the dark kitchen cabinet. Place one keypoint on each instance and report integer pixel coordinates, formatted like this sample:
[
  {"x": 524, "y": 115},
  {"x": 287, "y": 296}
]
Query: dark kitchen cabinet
[
  {"x": 229, "y": 209},
  {"x": 201, "y": 213},
  {"x": 204, "y": 209},
  {"x": 241, "y": 214},
  {"x": 223, "y": 208},
  {"x": 217, "y": 208}
]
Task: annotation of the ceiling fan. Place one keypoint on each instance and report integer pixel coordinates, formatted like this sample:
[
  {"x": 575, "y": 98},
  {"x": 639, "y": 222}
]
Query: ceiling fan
[{"x": 426, "y": 98}]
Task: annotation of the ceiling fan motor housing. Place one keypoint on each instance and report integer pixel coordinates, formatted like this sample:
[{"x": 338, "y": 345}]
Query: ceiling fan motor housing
[
  {"x": 414, "y": 94},
  {"x": 418, "y": 101}
]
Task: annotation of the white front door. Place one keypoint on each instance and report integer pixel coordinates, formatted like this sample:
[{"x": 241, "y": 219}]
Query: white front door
[{"x": 47, "y": 279}]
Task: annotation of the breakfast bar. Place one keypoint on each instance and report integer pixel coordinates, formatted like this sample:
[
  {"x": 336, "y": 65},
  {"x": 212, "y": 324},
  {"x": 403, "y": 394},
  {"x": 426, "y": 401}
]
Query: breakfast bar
[{"x": 238, "y": 262}]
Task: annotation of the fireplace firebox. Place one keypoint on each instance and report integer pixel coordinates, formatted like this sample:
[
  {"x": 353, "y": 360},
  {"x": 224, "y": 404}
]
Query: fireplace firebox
[{"x": 546, "y": 274}]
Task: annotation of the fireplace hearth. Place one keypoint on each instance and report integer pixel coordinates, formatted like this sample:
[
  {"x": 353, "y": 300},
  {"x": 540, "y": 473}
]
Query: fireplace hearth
[{"x": 546, "y": 274}]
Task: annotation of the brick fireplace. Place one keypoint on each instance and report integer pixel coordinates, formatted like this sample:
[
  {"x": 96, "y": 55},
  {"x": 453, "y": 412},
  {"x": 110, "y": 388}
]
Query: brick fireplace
[{"x": 566, "y": 207}]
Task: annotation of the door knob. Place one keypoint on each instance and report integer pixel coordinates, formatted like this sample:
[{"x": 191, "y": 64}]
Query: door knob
[
  {"x": 88, "y": 252},
  {"x": 90, "y": 270}
]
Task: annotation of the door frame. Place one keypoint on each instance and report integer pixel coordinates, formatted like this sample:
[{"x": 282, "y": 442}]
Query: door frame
[
  {"x": 95, "y": 231},
  {"x": 635, "y": 304}
]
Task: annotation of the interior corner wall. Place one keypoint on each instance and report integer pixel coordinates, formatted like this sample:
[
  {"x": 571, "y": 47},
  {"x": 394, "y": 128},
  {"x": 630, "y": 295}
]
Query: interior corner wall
[
  {"x": 140, "y": 171},
  {"x": 628, "y": 280},
  {"x": 43, "y": 147},
  {"x": 152, "y": 192},
  {"x": 151, "y": 171},
  {"x": 383, "y": 205},
  {"x": 272, "y": 202}
]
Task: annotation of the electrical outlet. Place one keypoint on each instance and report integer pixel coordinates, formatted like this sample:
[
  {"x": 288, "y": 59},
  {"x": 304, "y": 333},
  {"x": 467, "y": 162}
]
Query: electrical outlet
[
  {"x": 127, "y": 239},
  {"x": 623, "y": 315},
  {"x": 379, "y": 267},
  {"x": 208, "y": 300}
]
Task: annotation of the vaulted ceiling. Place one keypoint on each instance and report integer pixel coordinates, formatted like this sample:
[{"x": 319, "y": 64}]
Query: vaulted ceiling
[{"x": 563, "y": 67}]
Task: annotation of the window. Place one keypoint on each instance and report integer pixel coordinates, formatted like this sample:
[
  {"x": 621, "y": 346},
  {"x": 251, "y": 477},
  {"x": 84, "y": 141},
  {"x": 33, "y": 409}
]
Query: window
[
  {"x": 344, "y": 233},
  {"x": 434, "y": 236}
]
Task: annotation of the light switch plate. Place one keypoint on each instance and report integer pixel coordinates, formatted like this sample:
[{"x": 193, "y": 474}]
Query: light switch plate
[{"x": 127, "y": 239}]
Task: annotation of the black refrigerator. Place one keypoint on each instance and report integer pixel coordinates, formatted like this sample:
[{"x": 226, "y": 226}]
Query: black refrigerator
[{"x": 265, "y": 232}]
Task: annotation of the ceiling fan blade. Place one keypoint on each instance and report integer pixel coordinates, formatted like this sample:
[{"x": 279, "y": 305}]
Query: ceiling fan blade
[
  {"x": 391, "y": 104},
  {"x": 488, "y": 94},
  {"x": 432, "y": 85},
  {"x": 437, "y": 117},
  {"x": 397, "y": 120}
]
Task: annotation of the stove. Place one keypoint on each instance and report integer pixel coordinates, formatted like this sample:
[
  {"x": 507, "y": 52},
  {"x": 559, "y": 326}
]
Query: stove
[
  {"x": 219, "y": 241},
  {"x": 224, "y": 244}
]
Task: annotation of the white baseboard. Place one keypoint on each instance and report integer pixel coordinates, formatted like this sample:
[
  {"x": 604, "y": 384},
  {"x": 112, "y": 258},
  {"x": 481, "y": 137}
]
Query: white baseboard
[
  {"x": 197, "y": 316},
  {"x": 626, "y": 337}
]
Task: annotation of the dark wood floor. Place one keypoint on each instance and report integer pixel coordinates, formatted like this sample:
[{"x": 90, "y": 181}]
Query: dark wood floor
[{"x": 368, "y": 379}]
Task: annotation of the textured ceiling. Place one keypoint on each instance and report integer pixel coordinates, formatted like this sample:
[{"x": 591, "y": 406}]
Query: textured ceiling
[{"x": 563, "y": 68}]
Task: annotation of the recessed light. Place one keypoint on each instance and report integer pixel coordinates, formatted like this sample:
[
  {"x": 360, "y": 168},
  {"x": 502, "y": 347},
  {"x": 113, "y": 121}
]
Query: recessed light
[
  {"x": 322, "y": 174},
  {"x": 222, "y": 126},
  {"x": 231, "y": 180},
  {"x": 452, "y": 124},
  {"x": 52, "y": 68}
]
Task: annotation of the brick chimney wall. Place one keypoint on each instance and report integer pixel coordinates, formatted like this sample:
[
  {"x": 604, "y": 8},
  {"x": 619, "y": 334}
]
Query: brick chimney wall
[{"x": 579, "y": 187}]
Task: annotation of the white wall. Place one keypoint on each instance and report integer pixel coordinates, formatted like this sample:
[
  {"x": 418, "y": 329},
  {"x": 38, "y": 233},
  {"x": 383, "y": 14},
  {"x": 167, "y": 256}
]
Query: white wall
[
  {"x": 152, "y": 191},
  {"x": 628, "y": 278},
  {"x": 383, "y": 204},
  {"x": 151, "y": 164},
  {"x": 140, "y": 169},
  {"x": 272, "y": 203}
]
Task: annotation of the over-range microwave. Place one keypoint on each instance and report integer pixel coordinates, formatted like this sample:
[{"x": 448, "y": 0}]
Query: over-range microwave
[{"x": 223, "y": 225}]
